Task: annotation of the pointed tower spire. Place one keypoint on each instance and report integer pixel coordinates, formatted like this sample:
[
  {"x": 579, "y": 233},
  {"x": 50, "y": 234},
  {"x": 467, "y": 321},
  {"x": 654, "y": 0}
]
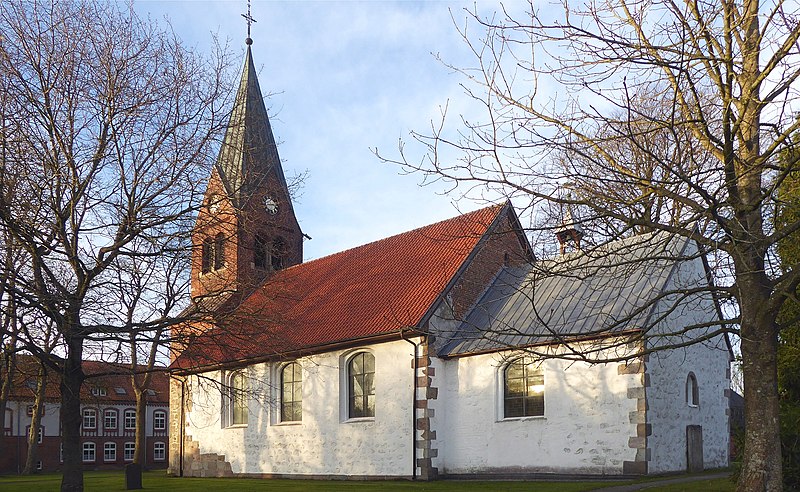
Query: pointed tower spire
[
  {"x": 570, "y": 232},
  {"x": 247, "y": 228}
]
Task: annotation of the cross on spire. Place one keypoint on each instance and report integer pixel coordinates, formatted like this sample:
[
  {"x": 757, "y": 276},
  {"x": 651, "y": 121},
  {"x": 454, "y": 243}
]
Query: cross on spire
[{"x": 250, "y": 20}]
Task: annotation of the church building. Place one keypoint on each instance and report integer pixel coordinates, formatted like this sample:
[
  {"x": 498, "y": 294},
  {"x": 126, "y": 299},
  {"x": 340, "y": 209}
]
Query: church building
[{"x": 448, "y": 350}]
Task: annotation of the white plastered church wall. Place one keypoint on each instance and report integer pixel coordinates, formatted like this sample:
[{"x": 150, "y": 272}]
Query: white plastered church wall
[
  {"x": 325, "y": 442},
  {"x": 668, "y": 412},
  {"x": 585, "y": 427}
]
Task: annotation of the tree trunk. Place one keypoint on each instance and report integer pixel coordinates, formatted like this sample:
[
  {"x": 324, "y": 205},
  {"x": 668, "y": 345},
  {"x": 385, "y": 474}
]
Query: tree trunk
[
  {"x": 7, "y": 369},
  {"x": 140, "y": 453},
  {"x": 36, "y": 422},
  {"x": 71, "y": 381},
  {"x": 761, "y": 468}
]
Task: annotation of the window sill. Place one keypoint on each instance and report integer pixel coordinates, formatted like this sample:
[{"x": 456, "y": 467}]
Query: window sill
[
  {"x": 290, "y": 422},
  {"x": 237, "y": 426},
  {"x": 525, "y": 418},
  {"x": 693, "y": 406},
  {"x": 356, "y": 420}
]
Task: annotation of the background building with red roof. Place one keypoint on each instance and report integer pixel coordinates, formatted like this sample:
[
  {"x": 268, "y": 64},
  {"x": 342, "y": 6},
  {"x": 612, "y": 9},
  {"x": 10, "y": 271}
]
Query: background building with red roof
[{"x": 109, "y": 418}]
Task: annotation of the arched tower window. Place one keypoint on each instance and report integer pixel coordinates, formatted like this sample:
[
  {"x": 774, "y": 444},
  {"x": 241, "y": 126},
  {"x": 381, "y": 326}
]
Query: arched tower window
[
  {"x": 219, "y": 251},
  {"x": 692, "y": 391},
  {"x": 260, "y": 252},
  {"x": 278, "y": 252},
  {"x": 208, "y": 255}
]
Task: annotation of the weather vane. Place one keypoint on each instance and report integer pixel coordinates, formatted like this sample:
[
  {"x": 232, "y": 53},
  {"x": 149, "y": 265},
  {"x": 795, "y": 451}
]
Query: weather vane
[{"x": 250, "y": 20}]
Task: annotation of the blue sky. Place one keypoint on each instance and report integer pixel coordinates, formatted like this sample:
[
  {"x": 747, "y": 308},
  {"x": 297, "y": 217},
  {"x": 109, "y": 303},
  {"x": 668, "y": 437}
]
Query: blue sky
[{"x": 345, "y": 77}]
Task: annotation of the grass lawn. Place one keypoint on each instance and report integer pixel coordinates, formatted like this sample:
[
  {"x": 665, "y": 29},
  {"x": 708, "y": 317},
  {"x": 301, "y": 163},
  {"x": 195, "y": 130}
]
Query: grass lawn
[{"x": 157, "y": 480}]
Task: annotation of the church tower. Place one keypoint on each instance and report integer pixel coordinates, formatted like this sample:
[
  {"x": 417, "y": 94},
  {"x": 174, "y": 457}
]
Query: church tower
[{"x": 246, "y": 228}]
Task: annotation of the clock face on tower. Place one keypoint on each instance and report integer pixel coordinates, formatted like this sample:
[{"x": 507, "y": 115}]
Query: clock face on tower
[{"x": 270, "y": 205}]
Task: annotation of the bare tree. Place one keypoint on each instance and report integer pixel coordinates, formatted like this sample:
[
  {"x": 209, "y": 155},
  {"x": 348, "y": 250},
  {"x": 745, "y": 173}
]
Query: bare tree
[
  {"x": 661, "y": 116},
  {"x": 114, "y": 121}
]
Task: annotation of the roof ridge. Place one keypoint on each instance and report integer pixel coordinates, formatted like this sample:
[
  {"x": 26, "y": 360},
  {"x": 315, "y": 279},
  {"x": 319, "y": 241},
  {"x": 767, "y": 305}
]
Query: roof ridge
[{"x": 399, "y": 234}]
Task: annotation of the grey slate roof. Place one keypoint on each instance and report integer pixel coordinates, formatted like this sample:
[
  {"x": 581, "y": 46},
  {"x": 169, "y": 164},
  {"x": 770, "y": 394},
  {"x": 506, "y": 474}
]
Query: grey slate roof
[
  {"x": 599, "y": 292},
  {"x": 249, "y": 146}
]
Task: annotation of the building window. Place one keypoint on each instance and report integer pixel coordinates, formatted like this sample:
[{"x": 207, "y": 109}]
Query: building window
[
  {"x": 208, "y": 255},
  {"x": 278, "y": 252},
  {"x": 159, "y": 451},
  {"x": 128, "y": 450},
  {"x": 97, "y": 391},
  {"x": 219, "y": 251},
  {"x": 130, "y": 419},
  {"x": 38, "y": 465},
  {"x": 159, "y": 420},
  {"x": 291, "y": 393},
  {"x": 260, "y": 252},
  {"x": 238, "y": 389},
  {"x": 88, "y": 452},
  {"x": 692, "y": 391},
  {"x": 361, "y": 385},
  {"x": 61, "y": 452},
  {"x": 110, "y": 419},
  {"x": 523, "y": 394},
  {"x": 89, "y": 418},
  {"x": 40, "y": 435},
  {"x": 110, "y": 451}
]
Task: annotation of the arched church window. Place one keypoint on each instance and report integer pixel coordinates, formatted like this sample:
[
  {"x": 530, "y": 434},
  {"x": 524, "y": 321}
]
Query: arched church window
[
  {"x": 291, "y": 393},
  {"x": 692, "y": 391},
  {"x": 523, "y": 394},
  {"x": 260, "y": 252},
  {"x": 207, "y": 255},
  {"x": 219, "y": 251},
  {"x": 278, "y": 252},
  {"x": 361, "y": 385},
  {"x": 237, "y": 396}
]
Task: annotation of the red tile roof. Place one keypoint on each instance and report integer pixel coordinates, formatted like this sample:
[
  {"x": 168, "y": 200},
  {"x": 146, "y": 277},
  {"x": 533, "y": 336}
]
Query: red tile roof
[
  {"x": 361, "y": 293},
  {"x": 99, "y": 374}
]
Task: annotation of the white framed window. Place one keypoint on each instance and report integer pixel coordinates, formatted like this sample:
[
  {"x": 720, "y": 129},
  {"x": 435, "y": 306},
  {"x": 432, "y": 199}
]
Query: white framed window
[
  {"x": 38, "y": 465},
  {"x": 130, "y": 419},
  {"x": 523, "y": 389},
  {"x": 98, "y": 391},
  {"x": 361, "y": 385},
  {"x": 159, "y": 451},
  {"x": 110, "y": 417},
  {"x": 159, "y": 420},
  {"x": 110, "y": 451},
  {"x": 89, "y": 418},
  {"x": 88, "y": 452},
  {"x": 291, "y": 390},
  {"x": 692, "y": 391},
  {"x": 128, "y": 450},
  {"x": 38, "y": 434},
  {"x": 61, "y": 452},
  {"x": 238, "y": 389}
]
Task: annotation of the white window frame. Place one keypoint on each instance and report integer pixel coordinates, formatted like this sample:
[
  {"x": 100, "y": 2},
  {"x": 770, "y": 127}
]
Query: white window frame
[
  {"x": 108, "y": 412},
  {"x": 92, "y": 449},
  {"x": 159, "y": 447},
  {"x": 501, "y": 387},
  {"x": 692, "y": 391},
  {"x": 159, "y": 420},
  {"x": 234, "y": 398},
  {"x": 281, "y": 392},
  {"x": 109, "y": 446},
  {"x": 89, "y": 413},
  {"x": 344, "y": 384},
  {"x": 128, "y": 450},
  {"x": 129, "y": 416}
]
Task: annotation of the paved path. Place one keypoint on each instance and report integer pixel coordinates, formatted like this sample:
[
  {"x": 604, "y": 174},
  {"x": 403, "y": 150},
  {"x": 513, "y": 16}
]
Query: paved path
[{"x": 660, "y": 483}]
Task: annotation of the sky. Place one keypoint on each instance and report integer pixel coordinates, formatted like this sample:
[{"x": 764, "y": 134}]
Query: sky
[{"x": 345, "y": 77}]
